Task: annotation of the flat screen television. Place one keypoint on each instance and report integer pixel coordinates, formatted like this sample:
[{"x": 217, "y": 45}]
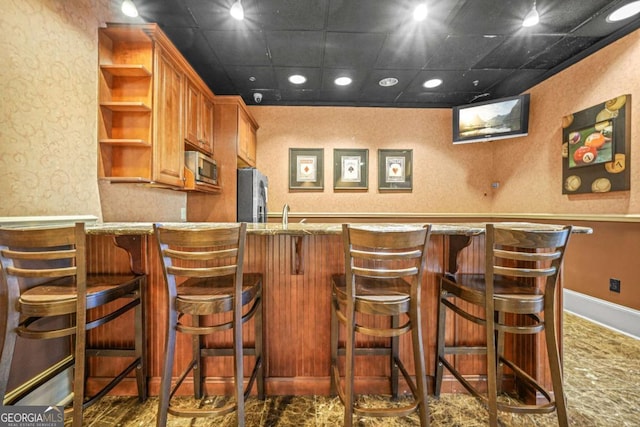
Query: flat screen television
[{"x": 490, "y": 120}]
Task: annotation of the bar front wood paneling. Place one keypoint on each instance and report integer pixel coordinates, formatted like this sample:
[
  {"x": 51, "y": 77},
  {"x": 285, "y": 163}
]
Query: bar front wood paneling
[{"x": 297, "y": 317}]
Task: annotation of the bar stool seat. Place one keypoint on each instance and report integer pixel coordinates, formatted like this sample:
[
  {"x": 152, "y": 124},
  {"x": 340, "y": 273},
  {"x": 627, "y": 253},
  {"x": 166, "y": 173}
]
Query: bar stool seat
[
  {"x": 383, "y": 273},
  {"x": 44, "y": 277}
]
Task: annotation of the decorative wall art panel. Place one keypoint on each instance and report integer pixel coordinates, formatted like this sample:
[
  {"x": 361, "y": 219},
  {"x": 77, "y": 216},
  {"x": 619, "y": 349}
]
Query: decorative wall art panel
[
  {"x": 306, "y": 169},
  {"x": 350, "y": 169},
  {"x": 596, "y": 148}
]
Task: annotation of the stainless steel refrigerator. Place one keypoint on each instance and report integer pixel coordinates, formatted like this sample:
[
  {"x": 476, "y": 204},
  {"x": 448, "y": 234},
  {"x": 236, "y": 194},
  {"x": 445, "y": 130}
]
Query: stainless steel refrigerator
[{"x": 252, "y": 195}]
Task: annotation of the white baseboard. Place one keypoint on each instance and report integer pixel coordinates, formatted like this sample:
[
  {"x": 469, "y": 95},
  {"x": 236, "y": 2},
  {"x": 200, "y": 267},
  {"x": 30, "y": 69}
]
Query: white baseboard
[{"x": 613, "y": 316}]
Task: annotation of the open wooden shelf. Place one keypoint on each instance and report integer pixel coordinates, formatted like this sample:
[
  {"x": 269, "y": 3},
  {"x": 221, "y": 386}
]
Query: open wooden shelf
[
  {"x": 125, "y": 142},
  {"x": 126, "y": 106},
  {"x": 126, "y": 70},
  {"x": 133, "y": 179}
]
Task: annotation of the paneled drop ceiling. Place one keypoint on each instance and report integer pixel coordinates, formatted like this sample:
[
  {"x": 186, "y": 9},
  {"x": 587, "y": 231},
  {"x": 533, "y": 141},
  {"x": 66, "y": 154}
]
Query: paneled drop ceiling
[{"x": 478, "y": 48}]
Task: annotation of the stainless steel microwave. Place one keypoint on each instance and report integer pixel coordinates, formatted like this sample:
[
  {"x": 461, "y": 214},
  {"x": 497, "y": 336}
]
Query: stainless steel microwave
[{"x": 204, "y": 168}]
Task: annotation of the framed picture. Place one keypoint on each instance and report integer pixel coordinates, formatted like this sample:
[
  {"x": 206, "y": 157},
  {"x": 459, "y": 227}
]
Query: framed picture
[
  {"x": 350, "y": 169},
  {"x": 596, "y": 148},
  {"x": 306, "y": 166},
  {"x": 395, "y": 170}
]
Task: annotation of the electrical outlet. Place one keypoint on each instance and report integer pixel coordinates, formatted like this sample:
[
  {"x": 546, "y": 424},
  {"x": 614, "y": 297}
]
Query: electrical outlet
[
  {"x": 183, "y": 214},
  {"x": 614, "y": 285}
]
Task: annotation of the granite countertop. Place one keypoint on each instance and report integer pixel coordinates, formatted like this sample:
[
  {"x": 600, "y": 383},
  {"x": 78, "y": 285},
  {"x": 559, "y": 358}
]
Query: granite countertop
[
  {"x": 302, "y": 229},
  {"x": 266, "y": 229}
]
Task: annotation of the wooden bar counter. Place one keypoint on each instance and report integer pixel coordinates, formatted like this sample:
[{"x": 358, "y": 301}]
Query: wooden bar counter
[{"x": 297, "y": 261}]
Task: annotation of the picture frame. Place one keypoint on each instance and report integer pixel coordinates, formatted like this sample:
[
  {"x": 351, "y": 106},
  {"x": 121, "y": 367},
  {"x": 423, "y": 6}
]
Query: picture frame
[
  {"x": 596, "y": 148},
  {"x": 350, "y": 169},
  {"x": 395, "y": 170},
  {"x": 306, "y": 169}
]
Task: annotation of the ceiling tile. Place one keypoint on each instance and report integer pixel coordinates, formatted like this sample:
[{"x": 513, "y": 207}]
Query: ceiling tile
[
  {"x": 355, "y": 50},
  {"x": 462, "y": 52},
  {"x": 307, "y": 15},
  {"x": 561, "y": 52},
  {"x": 407, "y": 50},
  {"x": 239, "y": 47},
  {"x": 251, "y": 78},
  {"x": 296, "y": 48},
  {"x": 515, "y": 52}
]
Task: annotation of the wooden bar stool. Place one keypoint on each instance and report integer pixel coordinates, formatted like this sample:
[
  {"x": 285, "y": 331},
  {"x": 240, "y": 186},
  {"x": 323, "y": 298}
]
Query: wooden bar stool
[
  {"x": 44, "y": 278},
  {"x": 203, "y": 270},
  {"x": 518, "y": 288},
  {"x": 384, "y": 266}
]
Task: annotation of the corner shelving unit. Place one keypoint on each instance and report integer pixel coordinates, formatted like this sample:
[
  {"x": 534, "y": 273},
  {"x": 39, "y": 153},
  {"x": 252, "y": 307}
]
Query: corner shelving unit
[{"x": 125, "y": 98}]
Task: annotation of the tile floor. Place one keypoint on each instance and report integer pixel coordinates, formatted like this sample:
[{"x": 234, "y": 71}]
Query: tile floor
[{"x": 602, "y": 380}]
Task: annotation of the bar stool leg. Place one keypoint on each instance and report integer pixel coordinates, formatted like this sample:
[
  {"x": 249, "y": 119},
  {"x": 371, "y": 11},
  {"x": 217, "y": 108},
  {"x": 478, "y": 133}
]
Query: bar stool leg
[
  {"x": 140, "y": 342},
  {"x": 257, "y": 322},
  {"x": 554, "y": 365},
  {"x": 238, "y": 366},
  {"x": 79, "y": 367},
  {"x": 440, "y": 344},
  {"x": 500, "y": 353},
  {"x": 395, "y": 345},
  {"x": 170, "y": 345},
  {"x": 333, "y": 376},
  {"x": 491, "y": 370},
  {"x": 349, "y": 365},
  {"x": 418, "y": 357},
  {"x": 196, "y": 345},
  {"x": 8, "y": 342}
]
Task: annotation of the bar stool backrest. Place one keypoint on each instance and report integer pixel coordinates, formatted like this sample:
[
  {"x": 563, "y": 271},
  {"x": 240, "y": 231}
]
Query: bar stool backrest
[{"x": 385, "y": 253}]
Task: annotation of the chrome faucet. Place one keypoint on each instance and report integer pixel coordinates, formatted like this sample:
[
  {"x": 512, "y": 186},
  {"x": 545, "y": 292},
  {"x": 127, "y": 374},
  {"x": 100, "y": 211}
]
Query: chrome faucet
[{"x": 285, "y": 215}]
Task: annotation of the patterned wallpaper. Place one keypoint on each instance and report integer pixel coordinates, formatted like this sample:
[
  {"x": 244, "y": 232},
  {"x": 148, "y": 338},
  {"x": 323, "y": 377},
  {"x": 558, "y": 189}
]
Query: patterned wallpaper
[
  {"x": 48, "y": 150},
  {"x": 48, "y": 116}
]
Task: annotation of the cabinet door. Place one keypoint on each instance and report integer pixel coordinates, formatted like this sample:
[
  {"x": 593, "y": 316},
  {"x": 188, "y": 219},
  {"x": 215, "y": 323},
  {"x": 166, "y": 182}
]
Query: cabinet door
[
  {"x": 251, "y": 145},
  {"x": 246, "y": 140},
  {"x": 191, "y": 111},
  {"x": 168, "y": 150},
  {"x": 206, "y": 124}
]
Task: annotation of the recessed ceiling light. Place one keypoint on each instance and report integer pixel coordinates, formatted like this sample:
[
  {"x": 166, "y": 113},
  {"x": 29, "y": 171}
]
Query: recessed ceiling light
[
  {"x": 624, "y": 12},
  {"x": 388, "y": 81},
  {"x": 432, "y": 83},
  {"x": 420, "y": 12},
  {"x": 343, "y": 81},
  {"x": 297, "y": 79}
]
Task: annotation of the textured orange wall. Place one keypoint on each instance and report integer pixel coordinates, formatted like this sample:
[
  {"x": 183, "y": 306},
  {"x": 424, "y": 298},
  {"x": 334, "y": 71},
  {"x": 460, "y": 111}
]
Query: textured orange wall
[
  {"x": 447, "y": 178},
  {"x": 530, "y": 171}
]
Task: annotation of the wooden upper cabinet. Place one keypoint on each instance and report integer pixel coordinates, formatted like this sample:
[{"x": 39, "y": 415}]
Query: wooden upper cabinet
[
  {"x": 191, "y": 111},
  {"x": 152, "y": 105},
  {"x": 247, "y": 138},
  {"x": 168, "y": 165},
  {"x": 236, "y": 126},
  {"x": 207, "y": 124},
  {"x": 198, "y": 118}
]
